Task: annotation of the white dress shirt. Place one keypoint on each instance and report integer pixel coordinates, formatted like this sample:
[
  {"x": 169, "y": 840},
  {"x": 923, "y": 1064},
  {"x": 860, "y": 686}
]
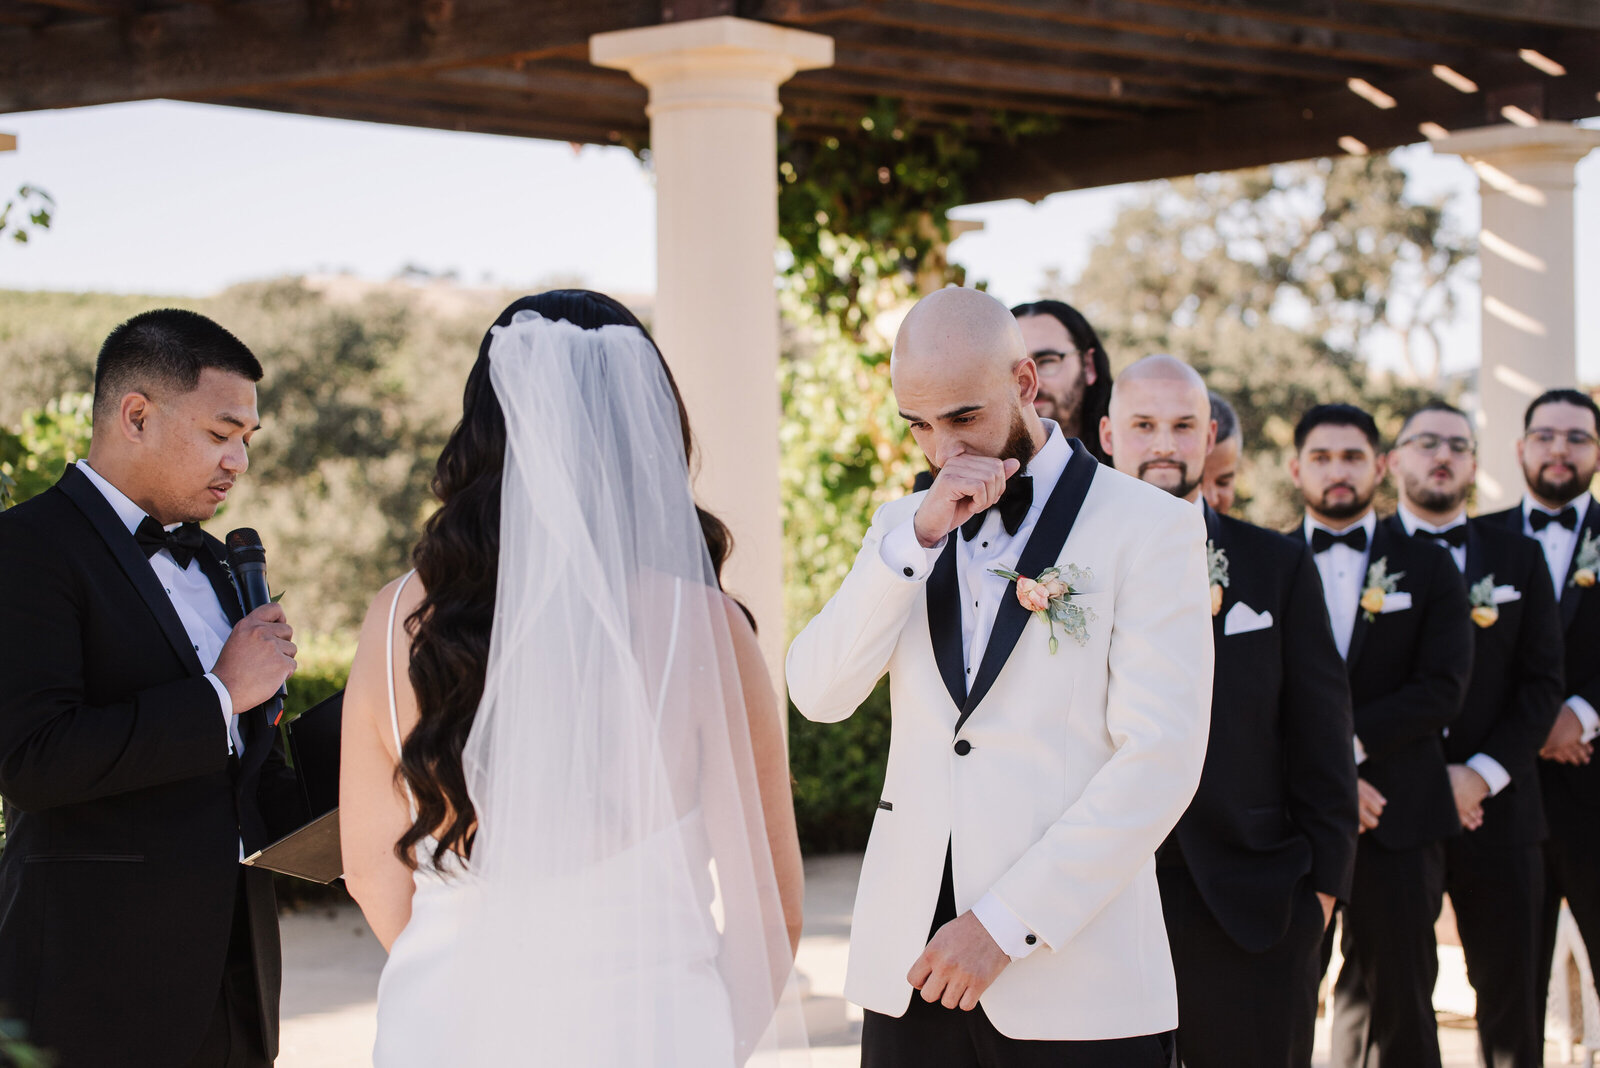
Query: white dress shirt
[
  {"x": 1559, "y": 544},
  {"x": 981, "y": 593},
  {"x": 1490, "y": 770},
  {"x": 193, "y": 598},
  {"x": 1344, "y": 574}
]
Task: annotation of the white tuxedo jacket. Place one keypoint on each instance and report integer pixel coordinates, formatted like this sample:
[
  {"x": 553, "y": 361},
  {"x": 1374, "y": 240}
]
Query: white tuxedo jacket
[{"x": 1077, "y": 765}]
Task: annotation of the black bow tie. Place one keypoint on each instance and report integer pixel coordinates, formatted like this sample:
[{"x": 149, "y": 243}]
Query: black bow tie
[
  {"x": 1455, "y": 537},
  {"x": 1013, "y": 506},
  {"x": 183, "y": 543},
  {"x": 1567, "y": 517},
  {"x": 1323, "y": 540}
]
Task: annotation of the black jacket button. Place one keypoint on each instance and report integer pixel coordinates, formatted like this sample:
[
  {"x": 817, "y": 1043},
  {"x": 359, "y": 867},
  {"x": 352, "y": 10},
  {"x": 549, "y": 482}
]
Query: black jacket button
[{"x": 963, "y": 747}]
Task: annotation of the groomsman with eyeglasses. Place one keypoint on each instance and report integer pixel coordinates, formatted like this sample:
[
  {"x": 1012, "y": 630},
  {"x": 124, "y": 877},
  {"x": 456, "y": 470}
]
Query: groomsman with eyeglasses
[
  {"x": 1559, "y": 452},
  {"x": 1400, "y": 618},
  {"x": 1494, "y": 872}
]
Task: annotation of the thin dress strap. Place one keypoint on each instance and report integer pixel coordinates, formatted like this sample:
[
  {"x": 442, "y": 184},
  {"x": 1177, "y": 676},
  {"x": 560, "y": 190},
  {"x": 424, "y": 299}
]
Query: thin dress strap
[{"x": 394, "y": 709}]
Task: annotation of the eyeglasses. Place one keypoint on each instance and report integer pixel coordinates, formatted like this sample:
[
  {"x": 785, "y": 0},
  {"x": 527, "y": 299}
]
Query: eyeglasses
[
  {"x": 1431, "y": 443},
  {"x": 1546, "y": 436}
]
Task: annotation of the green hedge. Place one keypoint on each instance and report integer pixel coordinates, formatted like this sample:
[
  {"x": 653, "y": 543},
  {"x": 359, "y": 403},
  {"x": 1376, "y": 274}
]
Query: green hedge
[{"x": 838, "y": 774}]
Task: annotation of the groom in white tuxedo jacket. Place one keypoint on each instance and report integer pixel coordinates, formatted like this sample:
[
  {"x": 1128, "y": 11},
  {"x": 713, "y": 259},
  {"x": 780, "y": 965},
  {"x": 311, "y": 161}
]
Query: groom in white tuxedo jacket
[{"x": 1008, "y": 912}]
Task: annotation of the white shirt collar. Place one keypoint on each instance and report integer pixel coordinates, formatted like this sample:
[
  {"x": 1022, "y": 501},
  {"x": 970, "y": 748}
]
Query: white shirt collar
[
  {"x": 1369, "y": 523},
  {"x": 1047, "y": 464},
  {"x": 1580, "y": 502},
  {"x": 130, "y": 514},
  {"x": 1409, "y": 520}
]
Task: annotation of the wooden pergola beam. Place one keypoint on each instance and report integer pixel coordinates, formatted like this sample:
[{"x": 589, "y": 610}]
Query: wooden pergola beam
[
  {"x": 1256, "y": 133},
  {"x": 254, "y": 45},
  {"x": 1568, "y": 14}
]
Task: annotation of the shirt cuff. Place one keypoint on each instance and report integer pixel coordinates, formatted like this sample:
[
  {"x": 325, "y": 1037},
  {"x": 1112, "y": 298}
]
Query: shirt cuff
[
  {"x": 1008, "y": 932},
  {"x": 1586, "y": 716},
  {"x": 1361, "y": 753},
  {"x": 904, "y": 554},
  {"x": 226, "y": 700},
  {"x": 1490, "y": 771}
]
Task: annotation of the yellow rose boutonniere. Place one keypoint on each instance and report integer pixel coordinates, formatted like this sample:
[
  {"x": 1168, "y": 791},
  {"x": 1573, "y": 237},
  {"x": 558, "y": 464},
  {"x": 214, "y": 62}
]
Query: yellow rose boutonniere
[
  {"x": 1587, "y": 562},
  {"x": 1380, "y": 584},
  {"x": 1217, "y": 572},
  {"x": 1485, "y": 613}
]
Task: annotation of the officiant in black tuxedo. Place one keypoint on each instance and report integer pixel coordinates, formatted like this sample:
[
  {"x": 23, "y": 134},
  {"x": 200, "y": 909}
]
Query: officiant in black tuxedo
[
  {"x": 1399, "y": 612},
  {"x": 1250, "y": 875},
  {"x": 1494, "y": 872},
  {"x": 1559, "y": 453},
  {"x": 135, "y": 766}
]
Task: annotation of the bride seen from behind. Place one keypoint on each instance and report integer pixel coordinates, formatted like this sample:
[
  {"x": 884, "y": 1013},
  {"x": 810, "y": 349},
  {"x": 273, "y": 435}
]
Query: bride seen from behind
[{"x": 564, "y": 794}]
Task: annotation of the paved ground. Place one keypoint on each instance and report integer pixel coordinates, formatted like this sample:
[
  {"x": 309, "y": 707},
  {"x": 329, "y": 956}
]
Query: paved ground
[{"x": 331, "y": 965}]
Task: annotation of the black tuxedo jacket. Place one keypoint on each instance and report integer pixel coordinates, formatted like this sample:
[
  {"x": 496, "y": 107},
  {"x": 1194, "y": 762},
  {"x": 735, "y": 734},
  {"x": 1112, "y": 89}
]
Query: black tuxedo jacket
[
  {"x": 1408, "y": 674},
  {"x": 1571, "y": 794},
  {"x": 1277, "y": 798},
  {"x": 1515, "y": 691},
  {"x": 124, "y": 810}
]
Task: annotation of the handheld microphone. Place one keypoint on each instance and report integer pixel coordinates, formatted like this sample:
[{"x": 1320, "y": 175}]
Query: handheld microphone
[{"x": 248, "y": 561}]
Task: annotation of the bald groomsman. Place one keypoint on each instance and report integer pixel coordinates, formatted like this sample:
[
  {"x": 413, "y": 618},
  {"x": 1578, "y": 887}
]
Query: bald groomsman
[
  {"x": 1250, "y": 875},
  {"x": 1559, "y": 453},
  {"x": 1494, "y": 872},
  {"x": 1400, "y": 618}
]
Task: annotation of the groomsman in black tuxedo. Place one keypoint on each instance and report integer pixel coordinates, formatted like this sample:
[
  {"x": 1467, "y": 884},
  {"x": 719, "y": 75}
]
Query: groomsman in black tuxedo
[
  {"x": 136, "y": 767},
  {"x": 1559, "y": 453},
  {"x": 1495, "y": 871},
  {"x": 1250, "y": 875},
  {"x": 1400, "y": 618}
]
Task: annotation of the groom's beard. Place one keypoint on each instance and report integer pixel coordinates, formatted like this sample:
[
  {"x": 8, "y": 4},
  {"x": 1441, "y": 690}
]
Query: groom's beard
[{"x": 1018, "y": 446}]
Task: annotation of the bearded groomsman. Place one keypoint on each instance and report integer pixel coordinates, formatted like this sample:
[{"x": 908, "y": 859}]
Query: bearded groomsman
[
  {"x": 1218, "y": 484},
  {"x": 1494, "y": 872},
  {"x": 1250, "y": 875},
  {"x": 1559, "y": 453},
  {"x": 1400, "y": 618}
]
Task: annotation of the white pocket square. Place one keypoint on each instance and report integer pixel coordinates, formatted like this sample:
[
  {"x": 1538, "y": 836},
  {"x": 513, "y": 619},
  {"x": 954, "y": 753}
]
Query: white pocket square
[
  {"x": 1242, "y": 619},
  {"x": 1506, "y": 594},
  {"x": 1398, "y": 601}
]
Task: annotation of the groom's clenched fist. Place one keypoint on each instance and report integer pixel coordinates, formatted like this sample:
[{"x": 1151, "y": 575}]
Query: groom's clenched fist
[
  {"x": 959, "y": 964},
  {"x": 965, "y": 486}
]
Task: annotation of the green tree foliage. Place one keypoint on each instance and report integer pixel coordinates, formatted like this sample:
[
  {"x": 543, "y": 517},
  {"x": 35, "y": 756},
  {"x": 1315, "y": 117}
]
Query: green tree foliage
[
  {"x": 1277, "y": 284},
  {"x": 27, "y": 211},
  {"x": 50, "y": 438}
]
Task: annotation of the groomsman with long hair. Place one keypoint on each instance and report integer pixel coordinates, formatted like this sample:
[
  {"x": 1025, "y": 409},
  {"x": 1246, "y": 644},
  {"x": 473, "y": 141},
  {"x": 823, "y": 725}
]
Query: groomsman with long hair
[
  {"x": 1494, "y": 871},
  {"x": 1400, "y": 618},
  {"x": 1559, "y": 453},
  {"x": 1250, "y": 875}
]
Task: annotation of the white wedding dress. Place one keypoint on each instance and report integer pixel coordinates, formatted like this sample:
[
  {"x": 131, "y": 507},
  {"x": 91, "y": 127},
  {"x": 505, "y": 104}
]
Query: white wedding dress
[{"x": 619, "y": 909}]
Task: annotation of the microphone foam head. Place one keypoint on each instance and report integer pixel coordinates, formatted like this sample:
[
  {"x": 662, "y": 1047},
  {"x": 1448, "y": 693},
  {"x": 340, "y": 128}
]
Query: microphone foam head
[{"x": 244, "y": 547}]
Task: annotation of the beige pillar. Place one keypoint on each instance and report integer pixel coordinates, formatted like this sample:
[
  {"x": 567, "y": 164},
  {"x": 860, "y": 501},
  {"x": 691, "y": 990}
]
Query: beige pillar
[
  {"x": 1525, "y": 179},
  {"x": 713, "y": 143}
]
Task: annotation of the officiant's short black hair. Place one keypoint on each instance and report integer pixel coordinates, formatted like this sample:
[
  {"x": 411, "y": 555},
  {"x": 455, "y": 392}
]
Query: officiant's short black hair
[
  {"x": 166, "y": 349},
  {"x": 1336, "y": 415}
]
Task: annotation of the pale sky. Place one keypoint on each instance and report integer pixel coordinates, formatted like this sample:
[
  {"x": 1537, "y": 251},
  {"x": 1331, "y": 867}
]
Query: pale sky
[{"x": 184, "y": 199}]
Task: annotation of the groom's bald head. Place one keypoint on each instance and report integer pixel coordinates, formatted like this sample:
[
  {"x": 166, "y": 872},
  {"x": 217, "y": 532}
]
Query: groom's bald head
[{"x": 963, "y": 379}]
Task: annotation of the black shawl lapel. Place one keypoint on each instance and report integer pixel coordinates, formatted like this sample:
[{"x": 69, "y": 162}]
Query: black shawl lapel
[
  {"x": 1477, "y": 566},
  {"x": 1383, "y": 543},
  {"x": 89, "y": 500},
  {"x": 944, "y": 621},
  {"x": 221, "y": 579},
  {"x": 1214, "y": 536},
  {"x": 1044, "y": 546},
  {"x": 1570, "y": 592}
]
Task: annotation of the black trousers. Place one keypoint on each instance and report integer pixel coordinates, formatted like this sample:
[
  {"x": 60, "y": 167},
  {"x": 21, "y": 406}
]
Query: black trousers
[
  {"x": 1498, "y": 894},
  {"x": 1571, "y": 872},
  {"x": 932, "y": 1036},
  {"x": 233, "y": 1039},
  {"x": 1238, "y": 1009},
  {"x": 1383, "y": 999}
]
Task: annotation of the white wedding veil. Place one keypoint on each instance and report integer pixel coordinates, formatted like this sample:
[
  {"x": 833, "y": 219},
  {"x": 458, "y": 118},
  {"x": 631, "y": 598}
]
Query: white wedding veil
[{"x": 626, "y": 911}]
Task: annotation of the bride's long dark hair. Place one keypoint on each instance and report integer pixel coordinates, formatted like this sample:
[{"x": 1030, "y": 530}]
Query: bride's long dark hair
[{"x": 457, "y": 560}]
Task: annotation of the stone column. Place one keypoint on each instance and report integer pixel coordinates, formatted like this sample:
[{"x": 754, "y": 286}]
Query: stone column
[
  {"x": 1525, "y": 179},
  {"x": 713, "y": 143}
]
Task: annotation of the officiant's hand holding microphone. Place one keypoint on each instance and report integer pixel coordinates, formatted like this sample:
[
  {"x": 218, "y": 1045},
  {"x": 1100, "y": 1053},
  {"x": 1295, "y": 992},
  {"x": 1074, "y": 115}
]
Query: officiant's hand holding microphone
[
  {"x": 257, "y": 658},
  {"x": 966, "y": 485}
]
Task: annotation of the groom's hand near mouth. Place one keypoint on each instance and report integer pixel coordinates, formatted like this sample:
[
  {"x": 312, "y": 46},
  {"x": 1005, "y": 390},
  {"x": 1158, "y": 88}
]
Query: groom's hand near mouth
[
  {"x": 960, "y": 963},
  {"x": 966, "y": 485}
]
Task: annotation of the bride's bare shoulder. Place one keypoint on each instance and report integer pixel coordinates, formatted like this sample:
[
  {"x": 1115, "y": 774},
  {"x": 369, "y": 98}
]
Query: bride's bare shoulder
[{"x": 377, "y": 618}]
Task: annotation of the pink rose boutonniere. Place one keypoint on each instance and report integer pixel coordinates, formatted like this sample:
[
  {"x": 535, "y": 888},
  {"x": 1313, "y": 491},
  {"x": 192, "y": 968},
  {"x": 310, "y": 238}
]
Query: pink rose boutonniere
[{"x": 1050, "y": 597}]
